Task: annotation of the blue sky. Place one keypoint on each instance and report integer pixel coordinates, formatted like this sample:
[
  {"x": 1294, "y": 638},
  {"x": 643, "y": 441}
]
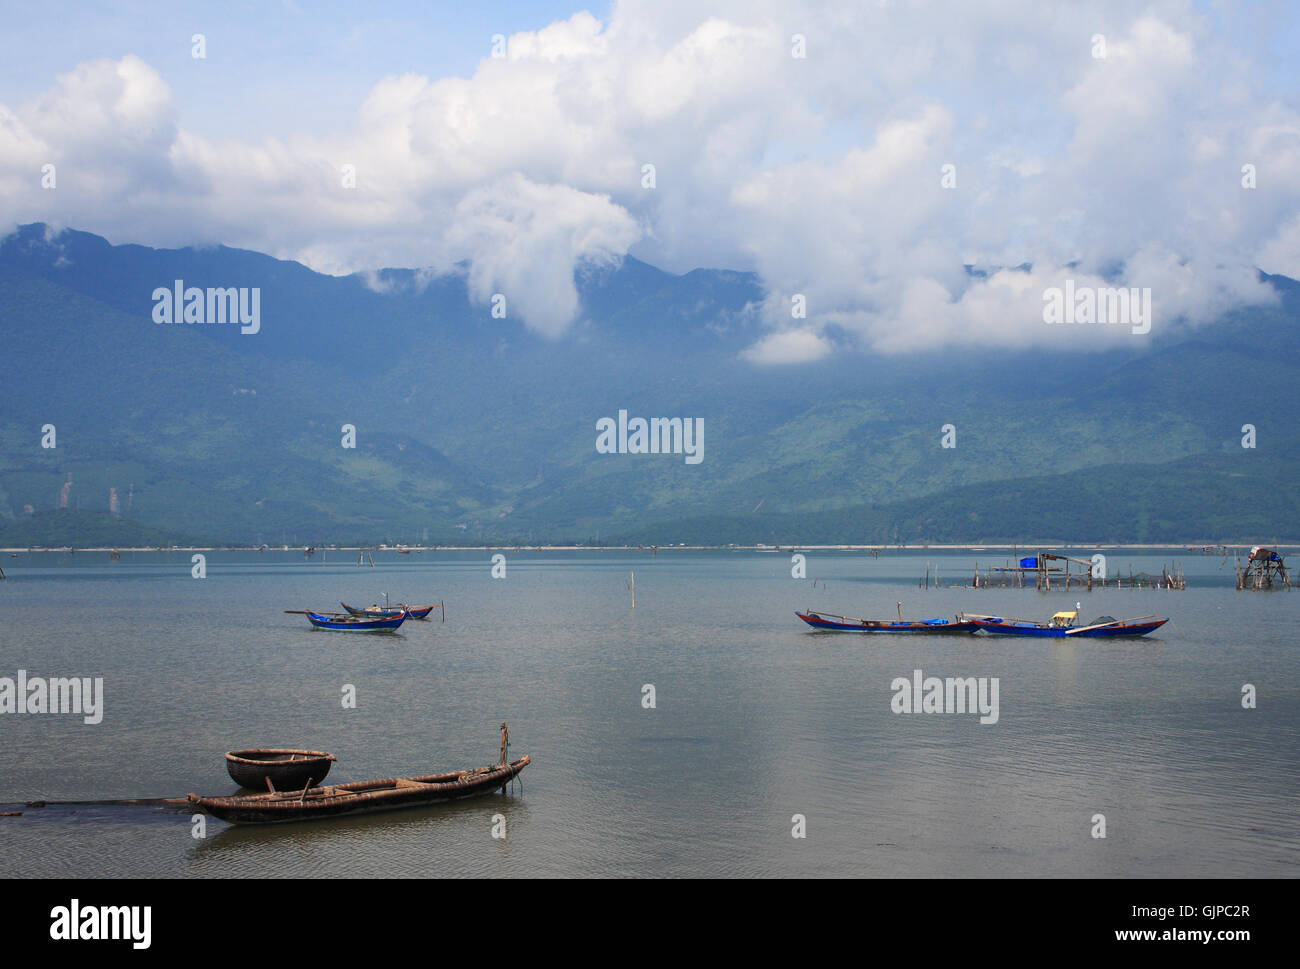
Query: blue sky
[{"x": 269, "y": 64}]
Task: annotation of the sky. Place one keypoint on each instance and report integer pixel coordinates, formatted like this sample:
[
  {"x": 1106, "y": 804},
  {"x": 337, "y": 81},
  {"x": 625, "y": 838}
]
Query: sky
[{"x": 857, "y": 156}]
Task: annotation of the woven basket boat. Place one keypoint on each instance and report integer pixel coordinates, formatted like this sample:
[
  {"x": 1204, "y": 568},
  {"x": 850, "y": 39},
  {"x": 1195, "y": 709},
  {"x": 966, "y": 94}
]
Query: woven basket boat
[{"x": 288, "y": 770}]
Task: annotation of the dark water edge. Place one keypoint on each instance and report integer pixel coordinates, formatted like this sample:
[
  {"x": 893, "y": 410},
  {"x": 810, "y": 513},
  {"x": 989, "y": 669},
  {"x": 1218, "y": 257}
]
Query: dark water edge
[{"x": 757, "y": 719}]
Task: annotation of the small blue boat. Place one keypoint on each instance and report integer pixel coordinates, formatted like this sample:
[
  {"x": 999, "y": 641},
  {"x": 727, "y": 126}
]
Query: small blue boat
[
  {"x": 846, "y": 624},
  {"x": 348, "y": 623},
  {"x": 1065, "y": 624}
]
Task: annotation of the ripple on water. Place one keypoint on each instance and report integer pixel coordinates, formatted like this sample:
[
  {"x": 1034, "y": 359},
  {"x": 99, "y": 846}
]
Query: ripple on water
[{"x": 756, "y": 720}]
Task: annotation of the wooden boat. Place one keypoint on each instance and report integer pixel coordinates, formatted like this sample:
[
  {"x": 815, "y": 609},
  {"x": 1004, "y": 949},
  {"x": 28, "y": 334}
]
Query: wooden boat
[
  {"x": 345, "y": 621},
  {"x": 829, "y": 621},
  {"x": 1064, "y": 624},
  {"x": 412, "y": 612},
  {"x": 283, "y": 769},
  {"x": 363, "y": 797}
]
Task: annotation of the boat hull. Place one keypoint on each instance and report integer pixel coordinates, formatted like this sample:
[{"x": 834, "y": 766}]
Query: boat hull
[
  {"x": 367, "y": 797},
  {"x": 1015, "y": 627},
  {"x": 347, "y": 623},
  {"x": 847, "y": 625},
  {"x": 412, "y": 612}
]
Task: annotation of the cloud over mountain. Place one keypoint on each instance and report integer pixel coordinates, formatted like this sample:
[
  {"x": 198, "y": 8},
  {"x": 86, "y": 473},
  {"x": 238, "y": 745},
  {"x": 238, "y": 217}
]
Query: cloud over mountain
[{"x": 1094, "y": 141}]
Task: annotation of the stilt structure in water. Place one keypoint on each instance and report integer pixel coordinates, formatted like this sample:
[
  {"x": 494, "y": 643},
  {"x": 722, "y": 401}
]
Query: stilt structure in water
[
  {"x": 1263, "y": 569},
  {"x": 1048, "y": 572}
]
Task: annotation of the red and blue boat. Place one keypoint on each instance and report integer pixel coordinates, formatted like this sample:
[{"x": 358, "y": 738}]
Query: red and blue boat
[
  {"x": 846, "y": 624},
  {"x": 1065, "y": 624},
  {"x": 412, "y": 612}
]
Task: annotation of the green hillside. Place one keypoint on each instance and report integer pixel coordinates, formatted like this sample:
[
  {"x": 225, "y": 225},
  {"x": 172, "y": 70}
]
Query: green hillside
[{"x": 470, "y": 429}]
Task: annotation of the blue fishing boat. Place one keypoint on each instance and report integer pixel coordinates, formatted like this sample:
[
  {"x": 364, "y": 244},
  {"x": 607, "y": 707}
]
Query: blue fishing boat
[
  {"x": 1066, "y": 624},
  {"x": 830, "y": 622},
  {"x": 348, "y": 623}
]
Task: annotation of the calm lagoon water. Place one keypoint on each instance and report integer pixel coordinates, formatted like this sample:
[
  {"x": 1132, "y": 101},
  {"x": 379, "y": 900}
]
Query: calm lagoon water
[{"x": 756, "y": 719}]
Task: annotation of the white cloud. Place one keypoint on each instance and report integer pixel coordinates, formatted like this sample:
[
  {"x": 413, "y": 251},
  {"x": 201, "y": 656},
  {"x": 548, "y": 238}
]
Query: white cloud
[
  {"x": 821, "y": 173},
  {"x": 1281, "y": 253},
  {"x": 524, "y": 241},
  {"x": 788, "y": 346}
]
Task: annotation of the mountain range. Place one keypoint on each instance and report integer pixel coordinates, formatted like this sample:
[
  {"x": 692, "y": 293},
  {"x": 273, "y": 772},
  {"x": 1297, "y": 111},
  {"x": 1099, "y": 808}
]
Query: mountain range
[{"x": 474, "y": 429}]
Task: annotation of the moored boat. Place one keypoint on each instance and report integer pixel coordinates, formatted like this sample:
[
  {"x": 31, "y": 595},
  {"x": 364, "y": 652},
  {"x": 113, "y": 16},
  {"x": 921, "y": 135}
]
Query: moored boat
[
  {"x": 412, "y": 612},
  {"x": 1065, "y": 624},
  {"x": 285, "y": 769},
  {"x": 347, "y": 622},
  {"x": 364, "y": 797},
  {"x": 831, "y": 622}
]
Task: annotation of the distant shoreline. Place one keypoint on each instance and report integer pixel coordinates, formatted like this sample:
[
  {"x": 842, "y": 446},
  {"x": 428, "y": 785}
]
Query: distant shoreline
[{"x": 403, "y": 549}]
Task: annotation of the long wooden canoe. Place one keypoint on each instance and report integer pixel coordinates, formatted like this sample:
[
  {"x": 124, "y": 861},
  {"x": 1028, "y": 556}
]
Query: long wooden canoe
[
  {"x": 350, "y": 623},
  {"x": 1063, "y": 625},
  {"x": 412, "y": 612},
  {"x": 363, "y": 797},
  {"x": 831, "y": 622}
]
